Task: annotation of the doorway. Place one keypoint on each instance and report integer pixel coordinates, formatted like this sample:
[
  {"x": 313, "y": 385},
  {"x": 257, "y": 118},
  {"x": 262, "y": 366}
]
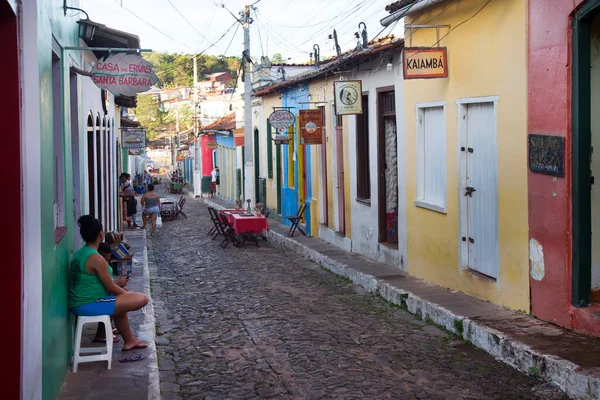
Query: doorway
[
  {"x": 387, "y": 168},
  {"x": 478, "y": 187},
  {"x": 74, "y": 101},
  {"x": 10, "y": 114},
  {"x": 341, "y": 186},
  {"x": 256, "y": 161},
  {"x": 586, "y": 161}
]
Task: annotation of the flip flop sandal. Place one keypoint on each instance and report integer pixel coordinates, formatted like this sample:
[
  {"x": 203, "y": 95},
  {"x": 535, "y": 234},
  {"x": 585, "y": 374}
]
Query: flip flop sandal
[
  {"x": 133, "y": 357},
  {"x": 115, "y": 340},
  {"x": 115, "y": 331},
  {"x": 139, "y": 346}
]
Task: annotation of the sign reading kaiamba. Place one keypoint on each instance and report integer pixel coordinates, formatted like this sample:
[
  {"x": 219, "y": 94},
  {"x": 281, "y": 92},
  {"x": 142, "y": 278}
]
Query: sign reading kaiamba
[
  {"x": 123, "y": 74},
  {"x": 348, "y": 97},
  {"x": 425, "y": 62},
  {"x": 311, "y": 122}
]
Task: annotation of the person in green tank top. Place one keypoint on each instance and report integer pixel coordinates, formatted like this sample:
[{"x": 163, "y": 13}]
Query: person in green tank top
[{"x": 92, "y": 290}]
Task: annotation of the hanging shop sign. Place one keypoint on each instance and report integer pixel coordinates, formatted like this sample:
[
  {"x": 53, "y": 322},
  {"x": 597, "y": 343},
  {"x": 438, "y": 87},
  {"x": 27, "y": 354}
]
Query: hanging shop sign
[
  {"x": 283, "y": 135},
  {"x": 134, "y": 138},
  {"x": 348, "y": 97},
  {"x": 123, "y": 74},
  {"x": 425, "y": 62},
  {"x": 547, "y": 155},
  {"x": 282, "y": 119},
  {"x": 135, "y": 152},
  {"x": 212, "y": 145},
  {"x": 311, "y": 122},
  {"x": 238, "y": 137}
]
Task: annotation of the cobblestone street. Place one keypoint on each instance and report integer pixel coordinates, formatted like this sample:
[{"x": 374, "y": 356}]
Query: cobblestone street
[{"x": 262, "y": 322}]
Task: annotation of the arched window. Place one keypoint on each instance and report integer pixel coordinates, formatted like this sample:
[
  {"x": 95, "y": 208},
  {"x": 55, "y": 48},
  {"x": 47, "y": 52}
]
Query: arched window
[{"x": 90, "y": 165}]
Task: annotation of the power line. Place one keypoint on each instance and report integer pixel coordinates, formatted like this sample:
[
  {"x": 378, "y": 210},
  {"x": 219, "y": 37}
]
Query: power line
[
  {"x": 233, "y": 37},
  {"x": 262, "y": 51},
  {"x": 188, "y": 21},
  {"x": 153, "y": 27}
]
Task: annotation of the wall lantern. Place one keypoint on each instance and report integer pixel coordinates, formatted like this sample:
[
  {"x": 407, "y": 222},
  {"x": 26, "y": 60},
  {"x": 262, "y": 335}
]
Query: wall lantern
[{"x": 86, "y": 31}]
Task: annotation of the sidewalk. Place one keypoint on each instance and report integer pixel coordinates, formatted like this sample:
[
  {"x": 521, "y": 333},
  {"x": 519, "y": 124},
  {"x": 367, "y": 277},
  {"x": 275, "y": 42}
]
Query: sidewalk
[
  {"x": 554, "y": 354},
  {"x": 131, "y": 381}
]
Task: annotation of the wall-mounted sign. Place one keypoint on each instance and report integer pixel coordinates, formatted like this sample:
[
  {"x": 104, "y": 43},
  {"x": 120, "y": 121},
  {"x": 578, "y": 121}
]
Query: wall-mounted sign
[
  {"x": 547, "y": 155},
  {"x": 348, "y": 97},
  {"x": 425, "y": 62},
  {"x": 238, "y": 137},
  {"x": 282, "y": 119},
  {"x": 212, "y": 145},
  {"x": 123, "y": 74},
  {"x": 135, "y": 152},
  {"x": 134, "y": 138},
  {"x": 311, "y": 122}
]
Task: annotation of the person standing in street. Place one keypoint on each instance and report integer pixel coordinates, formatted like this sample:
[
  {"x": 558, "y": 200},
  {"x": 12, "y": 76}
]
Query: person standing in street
[
  {"x": 130, "y": 203},
  {"x": 214, "y": 181}
]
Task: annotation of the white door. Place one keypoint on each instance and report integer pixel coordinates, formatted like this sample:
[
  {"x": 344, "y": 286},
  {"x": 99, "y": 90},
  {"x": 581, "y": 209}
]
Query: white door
[{"x": 479, "y": 189}]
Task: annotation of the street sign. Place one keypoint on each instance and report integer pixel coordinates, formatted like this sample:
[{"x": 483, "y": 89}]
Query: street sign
[
  {"x": 212, "y": 145},
  {"x": 348, "y": 97},
  {"x": 311, "y": 122},
  {"x": 282, "y": 118},
  {"x": 282, "y": 135},
  {"x": 123, "y": 74},
  {"x": 425, "y": 62}
]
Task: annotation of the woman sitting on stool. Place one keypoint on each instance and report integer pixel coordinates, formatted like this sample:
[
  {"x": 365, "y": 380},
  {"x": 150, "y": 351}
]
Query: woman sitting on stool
[{"x": 92, "y": 291}]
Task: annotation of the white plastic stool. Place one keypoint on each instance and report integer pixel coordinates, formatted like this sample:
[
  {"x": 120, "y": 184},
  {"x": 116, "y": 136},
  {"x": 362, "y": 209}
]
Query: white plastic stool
[{"x": 79, "y": 355}]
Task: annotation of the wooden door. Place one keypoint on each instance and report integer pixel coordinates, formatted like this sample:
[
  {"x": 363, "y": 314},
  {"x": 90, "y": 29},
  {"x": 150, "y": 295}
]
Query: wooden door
[{"x": 341, "y": 192}]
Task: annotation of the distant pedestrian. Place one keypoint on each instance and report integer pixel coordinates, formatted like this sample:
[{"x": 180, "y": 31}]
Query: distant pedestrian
[
  {"x": 130, "y": 203},
  {"x": 215, "y": 180}
]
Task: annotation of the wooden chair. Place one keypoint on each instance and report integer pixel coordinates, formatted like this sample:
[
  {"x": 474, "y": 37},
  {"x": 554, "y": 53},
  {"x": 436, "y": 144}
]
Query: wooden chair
[
  {"x": 296, "y": 221},
  {"x": 168, "y": 210},
  {"x": 227, "y": 231},
  {"x": 216, "y": 229},
  {"x": 180, "y": 205}
]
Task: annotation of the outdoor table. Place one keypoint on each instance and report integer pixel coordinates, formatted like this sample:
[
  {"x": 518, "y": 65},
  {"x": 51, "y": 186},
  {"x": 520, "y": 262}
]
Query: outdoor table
[{"x": 247, "y": 227}]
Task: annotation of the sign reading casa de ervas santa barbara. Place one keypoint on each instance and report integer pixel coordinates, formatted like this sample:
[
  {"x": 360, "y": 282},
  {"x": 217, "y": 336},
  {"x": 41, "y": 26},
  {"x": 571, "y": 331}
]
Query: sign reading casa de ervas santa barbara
[
  {"x": 425, "y": 62},
  {"x": 123, "y": 74}
]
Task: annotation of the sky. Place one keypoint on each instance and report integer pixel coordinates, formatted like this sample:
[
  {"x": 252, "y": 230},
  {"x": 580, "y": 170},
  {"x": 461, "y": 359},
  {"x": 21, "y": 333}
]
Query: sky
[{"x": 288, "y": 27}]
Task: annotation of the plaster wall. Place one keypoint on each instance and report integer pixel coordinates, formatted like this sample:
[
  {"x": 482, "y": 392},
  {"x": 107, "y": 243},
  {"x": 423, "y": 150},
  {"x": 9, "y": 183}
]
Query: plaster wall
[
  {"x": 267, "y": 104},
  {"x": 478, "y": 67},
  {"x": 549, "y": 113},
  {"x": 365, "y": 216}
]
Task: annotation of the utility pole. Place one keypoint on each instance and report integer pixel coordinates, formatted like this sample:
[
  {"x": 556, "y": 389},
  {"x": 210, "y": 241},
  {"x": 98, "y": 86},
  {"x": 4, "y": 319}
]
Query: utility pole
[
  {"x": 197, "y": 152},
  {"x": 246, "y": 60}
]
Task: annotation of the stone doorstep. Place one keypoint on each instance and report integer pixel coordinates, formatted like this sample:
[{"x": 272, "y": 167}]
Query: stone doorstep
[{"x": 568, "y": 359}]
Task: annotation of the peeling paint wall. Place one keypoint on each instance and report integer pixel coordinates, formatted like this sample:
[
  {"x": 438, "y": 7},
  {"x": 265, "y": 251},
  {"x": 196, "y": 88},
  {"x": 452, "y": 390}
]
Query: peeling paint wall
[{"x": 536, "y": 260}]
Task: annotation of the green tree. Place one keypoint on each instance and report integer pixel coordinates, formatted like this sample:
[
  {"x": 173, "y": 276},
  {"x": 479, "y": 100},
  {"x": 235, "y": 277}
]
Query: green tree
[
  {"x": 277, "y": 58},
  {"x": 149, "y": 114},
  {"x": 186, "y": 117}
]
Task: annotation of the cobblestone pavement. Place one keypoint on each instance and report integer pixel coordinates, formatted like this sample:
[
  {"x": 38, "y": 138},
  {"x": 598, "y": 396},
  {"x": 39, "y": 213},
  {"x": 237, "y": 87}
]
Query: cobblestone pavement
[{"x": 257, "y": 323}]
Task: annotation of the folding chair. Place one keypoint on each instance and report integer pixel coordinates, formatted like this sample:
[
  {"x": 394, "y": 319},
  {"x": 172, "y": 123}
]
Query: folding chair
[
  {"x": 228, "y": 232},
  {"x": 266, "y": 215},
  {"x": 215, "y": 230},
  {"x": 296, "y": 221},
  {"x": 180, "y": 205}
]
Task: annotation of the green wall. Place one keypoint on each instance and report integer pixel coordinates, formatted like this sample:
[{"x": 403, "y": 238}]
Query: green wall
[{"x": 56, "y": 320}]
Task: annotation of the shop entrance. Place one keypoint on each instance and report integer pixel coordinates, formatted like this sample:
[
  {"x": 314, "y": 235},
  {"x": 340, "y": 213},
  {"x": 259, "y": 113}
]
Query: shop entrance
[{"x": 586, "y": 161}]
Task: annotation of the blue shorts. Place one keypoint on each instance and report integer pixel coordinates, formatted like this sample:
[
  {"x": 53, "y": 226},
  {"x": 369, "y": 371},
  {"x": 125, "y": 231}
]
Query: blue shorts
[{"x": 103, "y": 306}]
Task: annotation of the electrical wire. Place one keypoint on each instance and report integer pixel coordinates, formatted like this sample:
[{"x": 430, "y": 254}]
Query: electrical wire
[
  {"x": 188, "y": 21},
  {"x": 153, "y": 27},
  {"x": 262, "y": 51},
  {"x": 233, "y": 37}
]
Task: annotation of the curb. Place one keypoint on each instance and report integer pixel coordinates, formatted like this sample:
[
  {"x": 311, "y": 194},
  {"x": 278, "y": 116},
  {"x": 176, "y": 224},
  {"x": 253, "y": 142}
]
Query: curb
[
  {"x": 147, "y": 329},
  {"x": 565, "y": 374}
]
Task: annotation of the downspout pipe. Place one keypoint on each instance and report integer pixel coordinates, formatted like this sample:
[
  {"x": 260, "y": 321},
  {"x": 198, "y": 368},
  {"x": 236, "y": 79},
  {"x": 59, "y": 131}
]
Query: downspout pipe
[{"x": 401, "y": 13}]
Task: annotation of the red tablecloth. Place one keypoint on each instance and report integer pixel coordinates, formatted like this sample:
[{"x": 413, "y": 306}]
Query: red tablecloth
[{"x": 247, "y": 224}]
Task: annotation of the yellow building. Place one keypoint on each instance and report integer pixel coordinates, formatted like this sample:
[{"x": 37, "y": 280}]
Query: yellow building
[{"x": 466, "y": 150}]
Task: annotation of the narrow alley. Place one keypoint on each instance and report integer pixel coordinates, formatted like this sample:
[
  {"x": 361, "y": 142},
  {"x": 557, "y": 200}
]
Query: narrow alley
[{"x": 249, "y": 322}]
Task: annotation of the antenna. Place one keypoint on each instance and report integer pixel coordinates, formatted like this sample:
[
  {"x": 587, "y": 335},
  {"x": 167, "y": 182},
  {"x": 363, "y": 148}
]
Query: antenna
[
  {"x": 338, "y": 49},
  {"x": 317, "y": 50},
  {"x": 365, "y": 40}
]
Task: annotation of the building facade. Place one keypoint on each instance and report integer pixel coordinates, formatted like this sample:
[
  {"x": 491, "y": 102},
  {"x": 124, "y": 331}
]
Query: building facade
[{"x": 466, "y": 153}]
